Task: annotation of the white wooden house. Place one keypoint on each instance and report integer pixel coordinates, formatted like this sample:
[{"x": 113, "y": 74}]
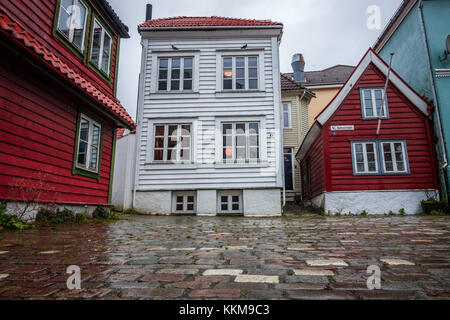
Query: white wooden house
[{"x": 208, "y": 136}]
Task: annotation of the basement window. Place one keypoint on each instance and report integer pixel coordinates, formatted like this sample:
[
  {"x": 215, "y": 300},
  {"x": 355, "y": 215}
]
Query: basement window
[
  {"x": 373, "y": 103},
  {"x": 230, "y": 202},
  {"x": 183, "y": 202}
]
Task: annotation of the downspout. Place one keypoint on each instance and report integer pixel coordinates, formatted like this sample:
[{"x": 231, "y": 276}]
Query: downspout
[
  {"x": 140, "y": 103},
  {"x": 433, "y": 88}
]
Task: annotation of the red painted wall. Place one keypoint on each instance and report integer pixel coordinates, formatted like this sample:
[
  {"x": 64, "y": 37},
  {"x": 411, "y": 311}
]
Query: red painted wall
[
  {"x": 405, "y": 122},
  {"x": 37, "y": 17},
  {"x": 37, "y": 136},
  {"x": 315, "y": 155}
]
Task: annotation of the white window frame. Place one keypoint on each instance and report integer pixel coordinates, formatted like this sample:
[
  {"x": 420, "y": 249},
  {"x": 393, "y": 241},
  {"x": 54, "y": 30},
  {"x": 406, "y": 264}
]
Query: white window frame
[
  {"x": 102, "y": 39},
  {"x": 289, "y": 112},
  {"x": 220, "y": 54},
  {"x": 374, "y": 107},
  {"x": 185, "y": 195},
  {"x": 394, "y": 162},
  {"x": 71, "y": 31},
  {"x": 89, "y": 144},
  {"x": 246, "y": 72},
  {"x": 169, "y": 74},
  {"x": 262, "y": 162},
  {"x": 247, "y": 142},
  {"x": 366, "y": 163},
  {"x": 229, "y": 194},
  {"x": 166, "y": 140},
  {"x": 155, "y": 56}
]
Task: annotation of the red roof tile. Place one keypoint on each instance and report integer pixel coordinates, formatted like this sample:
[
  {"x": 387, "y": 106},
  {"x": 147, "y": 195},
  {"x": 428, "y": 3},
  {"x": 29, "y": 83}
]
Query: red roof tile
[
  {"x": 110, "y": 104},
  {"x": 176, "y": 22}
]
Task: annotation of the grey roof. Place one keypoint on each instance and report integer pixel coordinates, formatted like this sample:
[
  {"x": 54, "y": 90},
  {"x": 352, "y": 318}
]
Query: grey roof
[
  {"x": 337, "y": 74},
  {"x": 123, "y": 29},
  {"x": 287, "y": 84}
]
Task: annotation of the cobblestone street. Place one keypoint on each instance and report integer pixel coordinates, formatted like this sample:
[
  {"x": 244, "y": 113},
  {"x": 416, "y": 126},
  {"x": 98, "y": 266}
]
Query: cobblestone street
[{"x": 141, "y": 257}]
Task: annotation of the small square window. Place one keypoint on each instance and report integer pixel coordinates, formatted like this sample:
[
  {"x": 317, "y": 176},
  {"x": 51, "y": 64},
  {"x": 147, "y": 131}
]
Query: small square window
[
  {"x": 373, "y": 103},
  {"x": 230, "y": 202},
  {"x": 184, "y": 202}
]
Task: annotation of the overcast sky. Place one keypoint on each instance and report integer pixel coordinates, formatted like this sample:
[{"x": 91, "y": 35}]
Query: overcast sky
[{"x": 326, "y": 32}]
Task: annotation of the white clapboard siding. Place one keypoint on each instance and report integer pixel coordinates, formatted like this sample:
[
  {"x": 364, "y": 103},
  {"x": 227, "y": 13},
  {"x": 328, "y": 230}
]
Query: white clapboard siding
[{"x": 204, "y": 106}]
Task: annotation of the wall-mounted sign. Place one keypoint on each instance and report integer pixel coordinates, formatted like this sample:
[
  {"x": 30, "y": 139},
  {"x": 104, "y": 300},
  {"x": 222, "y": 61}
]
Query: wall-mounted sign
[{"x": 342, "y": 128}]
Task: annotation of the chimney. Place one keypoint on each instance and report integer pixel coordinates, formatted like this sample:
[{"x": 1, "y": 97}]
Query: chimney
[
  {"x": 298, "y": 66},
  {"x": 148, "y": 12}
]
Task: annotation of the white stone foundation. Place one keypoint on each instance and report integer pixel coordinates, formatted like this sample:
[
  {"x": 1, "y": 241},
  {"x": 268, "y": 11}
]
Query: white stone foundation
[
  {"x": 262, "y": 202},
  {"x": 206, "y": 202},
  {"x": 373, "y": 202},
  {"x": 157, "y": 202}
]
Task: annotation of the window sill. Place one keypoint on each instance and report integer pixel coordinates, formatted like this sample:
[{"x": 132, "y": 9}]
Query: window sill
[
  {"x": 243, "y": 93},
  {"x": 86, "y": 173},
  {"x": 170, "y": 165},
  {"x": 174, "y": 94},
  {"x": 242, "y": 165}
]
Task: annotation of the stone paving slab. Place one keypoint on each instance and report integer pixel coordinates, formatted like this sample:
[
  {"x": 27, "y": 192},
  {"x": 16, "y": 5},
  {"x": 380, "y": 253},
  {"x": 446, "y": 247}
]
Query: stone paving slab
[{"x": 144, "y": 257}]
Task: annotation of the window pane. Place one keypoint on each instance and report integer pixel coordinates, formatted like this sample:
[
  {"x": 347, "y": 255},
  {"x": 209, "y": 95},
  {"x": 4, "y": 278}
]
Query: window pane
[
  {"x": 240, "y": 84},
  {"x": 159, "y": 131},
  {"x": 172, "y": 154},
  {"x": 173, "y": 130},
  {"x": 360, "y": 167},
  {"x": 187, "y": 62},
  {"x": 227, "y": 84},
  {"x": 227, "y": 129},
  {"x": 254, "y": 141},
  {"x": 358, "y": 147},
  {"x": 95, "y": 51},
  {"x": 253, "y": 84},
  {"x": 175, "y": 85},
  {"x": 187, "y": 85},
  {"x": 163, "y": 74},
  {"x": 190, "y": 199},
  {"x": 172, "y": 143},
  {"x": 253, "y": 128},
  {"x": 227, "y": 73},
  {"x": 224, "y": 199},
  {"x": 78, "y": 22},
  {"x": 186, "y": 142},
  {"x": 252, "y": 62},
  {"x": 185, "y": 154},
  {"x": 254, "y": 153},
  {"x": 82, "y": 146},
  {"x": 286, "y": 119},
  {"x": 235, "y": 206},
  {"x": 159, "y": 142},
  {"x": 235, "y": 199},
  {"x": 224, "y": 207},
  {"x": 84, "y": 130},
  {"x": 64, "y": 17},
  {"x": 240, "y": 128},
  {"x": 93, "y": 157},
  {"x": 164, "y": 63},
  {"x": 367, "y": 95},
  {"x": 190, "y": 207},
  {"x": 240, "y": 141},
  {"x": 227, "y": 62},
  {"x": 372, "y": 167},
  {"x": 227, "y": 153},
  {"x": 180, "y": 207},
  {"x": 188, "y": 74},
  {"x": 106, "y": 53},
  {"x": 227, "y": 140},
  {"x": 158, "y": 155},
  {"x": 240, "y": 73},
  {"x": 185, "y": 130},
  {"x": 162, "y": 85},
  {"x": 252, "y": 73},
  {"x": 176, "y": 74},
  {"x": 240, "y": 62},
  {"x": 175, "y": 63},
  {"x": 95, "y": 135},
  {"x": 240, "y": 153}
]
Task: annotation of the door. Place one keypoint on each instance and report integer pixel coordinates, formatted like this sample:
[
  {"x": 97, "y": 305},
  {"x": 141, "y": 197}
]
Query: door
[{"x": 288, "y": 169}]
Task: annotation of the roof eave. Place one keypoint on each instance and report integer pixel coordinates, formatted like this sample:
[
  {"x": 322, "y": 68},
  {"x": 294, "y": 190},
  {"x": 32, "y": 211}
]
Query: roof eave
[{"x": 193, "y": 28}]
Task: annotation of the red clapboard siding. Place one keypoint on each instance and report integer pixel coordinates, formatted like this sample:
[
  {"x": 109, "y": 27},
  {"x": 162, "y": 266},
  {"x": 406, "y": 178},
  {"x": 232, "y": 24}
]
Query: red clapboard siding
[
  {"x": 37, "y": 16},
  {"x": 37, "y": 137},
  {"x": 315, "y": 155},
  {"x": 405, "y": 122}
]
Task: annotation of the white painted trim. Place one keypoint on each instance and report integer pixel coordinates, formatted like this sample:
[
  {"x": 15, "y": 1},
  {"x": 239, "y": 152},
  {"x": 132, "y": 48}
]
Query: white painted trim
[
  {"x": 310, "y": 137},
  {"x": 442, "y": 73},
  {"x": 371, "y": 57},
  {"x": 325, "y": 86},
  {"x": 289, "y": 114},
  {"x": 155, "y": 56}
]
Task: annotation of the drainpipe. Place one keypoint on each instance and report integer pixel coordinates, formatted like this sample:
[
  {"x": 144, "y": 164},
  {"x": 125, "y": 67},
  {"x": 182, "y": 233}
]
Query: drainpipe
[{"x": 433, "y": 88}]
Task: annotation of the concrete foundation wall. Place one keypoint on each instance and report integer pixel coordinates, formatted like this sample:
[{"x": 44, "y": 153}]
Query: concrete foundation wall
[
  {"x": 375, "y": 202},
  {"x": 154, "y": 201},
  {"x": 206, "y": 202},
  {"x": 262, "y": 202}
]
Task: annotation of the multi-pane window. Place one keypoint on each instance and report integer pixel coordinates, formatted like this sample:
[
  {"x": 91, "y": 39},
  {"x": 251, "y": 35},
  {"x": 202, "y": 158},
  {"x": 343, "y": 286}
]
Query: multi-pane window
[
  {"x": 230, "y": 202},
  {"x": 175, "y": 74},
  {"x": 101, "y": 47},
  {"x": 365, "y": 157},
  {"x": 72, "y": 21},
  {"x": 240, "y": 73},
  {"x": 240, "y": 142},
  {"x": 394, "y": 157},
  {"x": 184, "y": 203},
  {"x": 172, "y": 142},
  {"x": 88, "y": 144},
  {"x": 373, "y": 103},
  {"x": 286, "y": 115}
]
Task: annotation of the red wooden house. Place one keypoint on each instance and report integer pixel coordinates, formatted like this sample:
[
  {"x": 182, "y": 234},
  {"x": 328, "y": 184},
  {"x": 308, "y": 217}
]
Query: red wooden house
[
  {"x": 349, "y": 163},
  {"x": 58, "y": 110}
]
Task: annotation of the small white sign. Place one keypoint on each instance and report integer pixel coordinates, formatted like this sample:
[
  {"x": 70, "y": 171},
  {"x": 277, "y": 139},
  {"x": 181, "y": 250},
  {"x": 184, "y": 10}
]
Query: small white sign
[{"x": 342, "y": 128}]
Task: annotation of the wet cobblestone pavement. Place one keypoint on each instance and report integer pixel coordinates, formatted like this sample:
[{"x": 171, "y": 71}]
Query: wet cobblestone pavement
[{"x": 142, "y": 257}]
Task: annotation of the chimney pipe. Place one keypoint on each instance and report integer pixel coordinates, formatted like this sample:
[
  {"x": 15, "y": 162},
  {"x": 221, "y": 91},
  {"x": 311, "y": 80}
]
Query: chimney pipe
[
  {"x": 298, "y": 66},
  {"x": 148, "y": 12}
]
